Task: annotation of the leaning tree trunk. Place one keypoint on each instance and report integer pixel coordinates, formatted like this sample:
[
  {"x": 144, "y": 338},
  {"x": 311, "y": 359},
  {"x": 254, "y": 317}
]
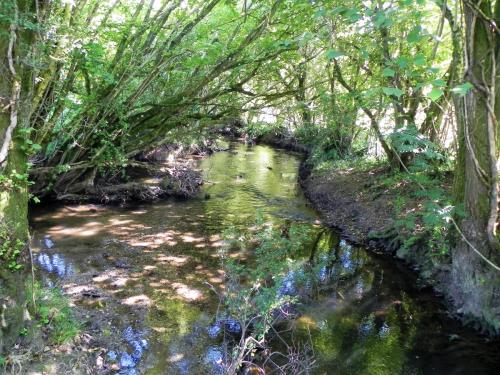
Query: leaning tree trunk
[
  {"x": 476, "y": 284},
  {"x": 13, "y": 174}
]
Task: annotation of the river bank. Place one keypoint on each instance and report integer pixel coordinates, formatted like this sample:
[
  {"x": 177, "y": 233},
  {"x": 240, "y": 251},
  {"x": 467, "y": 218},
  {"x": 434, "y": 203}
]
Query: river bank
[{"x": 364, "y": 208}]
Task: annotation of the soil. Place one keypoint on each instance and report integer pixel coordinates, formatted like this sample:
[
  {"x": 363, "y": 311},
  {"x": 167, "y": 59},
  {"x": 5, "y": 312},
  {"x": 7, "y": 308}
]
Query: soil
[{"x": 352, "y": 202}]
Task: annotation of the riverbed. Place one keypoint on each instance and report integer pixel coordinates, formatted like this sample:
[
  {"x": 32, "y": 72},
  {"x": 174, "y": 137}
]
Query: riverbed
[{"x": 143, "y": 281}]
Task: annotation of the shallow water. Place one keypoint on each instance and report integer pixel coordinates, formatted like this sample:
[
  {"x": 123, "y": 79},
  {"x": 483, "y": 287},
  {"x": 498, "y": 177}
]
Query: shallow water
[{"x": 152, "y": 267}]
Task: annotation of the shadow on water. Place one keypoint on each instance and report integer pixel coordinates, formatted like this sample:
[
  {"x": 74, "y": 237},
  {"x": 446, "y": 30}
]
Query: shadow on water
[{"x": 139, "y": 276}]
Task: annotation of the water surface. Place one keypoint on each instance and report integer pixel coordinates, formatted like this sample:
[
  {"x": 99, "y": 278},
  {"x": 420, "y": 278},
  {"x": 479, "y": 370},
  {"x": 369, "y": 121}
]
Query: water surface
[{"x": 152, "y": 268}]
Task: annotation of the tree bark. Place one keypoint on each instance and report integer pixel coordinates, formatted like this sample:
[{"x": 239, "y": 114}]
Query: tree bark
[
  {"x": 476, "y": 287},
  {"x": 13, "y": 192}
]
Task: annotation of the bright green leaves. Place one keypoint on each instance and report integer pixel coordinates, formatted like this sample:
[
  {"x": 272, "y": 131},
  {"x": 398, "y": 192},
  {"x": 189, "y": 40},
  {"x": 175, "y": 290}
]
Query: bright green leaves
[
  {"x": 437, "y": 91},
  {"x": 388, "y": 72},
  {"x": 402, "y": 62},
  {"x": 333, "y": 54},
  {"x": 435, "y": 94},
  {"x": 420, "y": 60},
  {"x": 415, "y": 35},
  {"x": 352, "y": 15},
  {"x": 462, "y": 89},
  {"x": 381, "y": 19},
  {"x": 392, "y": 91}
]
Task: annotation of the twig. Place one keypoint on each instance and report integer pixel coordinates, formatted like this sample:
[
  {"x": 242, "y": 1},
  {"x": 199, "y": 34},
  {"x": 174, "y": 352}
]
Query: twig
[{"x": 33, "y": 299}]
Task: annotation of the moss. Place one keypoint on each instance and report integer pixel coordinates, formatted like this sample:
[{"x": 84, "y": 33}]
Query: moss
[{"x": 14, "y": 217}]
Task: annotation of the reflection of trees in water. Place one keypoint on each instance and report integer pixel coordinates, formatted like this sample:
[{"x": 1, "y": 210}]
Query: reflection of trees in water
[
  {"x": 55, "y": 263},
  {"x": 247, "y": 180},
  {"x": 370, "y": 330}
]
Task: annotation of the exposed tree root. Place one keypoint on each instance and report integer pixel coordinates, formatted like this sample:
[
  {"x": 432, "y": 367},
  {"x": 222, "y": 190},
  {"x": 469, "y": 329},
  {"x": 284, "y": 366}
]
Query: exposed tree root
[{"x": 178, "y": 182}]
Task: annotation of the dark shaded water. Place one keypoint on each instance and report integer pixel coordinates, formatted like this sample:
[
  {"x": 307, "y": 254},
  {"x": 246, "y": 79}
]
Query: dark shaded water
[{"x": 147, "y": 268}]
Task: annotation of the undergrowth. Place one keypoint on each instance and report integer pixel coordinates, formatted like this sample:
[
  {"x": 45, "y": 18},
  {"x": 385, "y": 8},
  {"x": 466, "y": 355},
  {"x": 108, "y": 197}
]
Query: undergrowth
[
  {"x": 52, "y": 313},
  {"x": 256, "y": 290}
]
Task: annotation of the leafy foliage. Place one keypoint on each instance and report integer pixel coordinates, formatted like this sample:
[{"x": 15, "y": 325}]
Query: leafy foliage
[
  {"x": 10, "y": 248},
  {"x": 262, "y": 291}
]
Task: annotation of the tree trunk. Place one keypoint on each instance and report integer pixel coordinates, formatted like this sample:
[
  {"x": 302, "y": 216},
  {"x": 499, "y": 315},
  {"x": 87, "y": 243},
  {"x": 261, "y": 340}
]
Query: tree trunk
[
  {"x": 476, "y": 287},
  {"x": 13, "y": 166}
]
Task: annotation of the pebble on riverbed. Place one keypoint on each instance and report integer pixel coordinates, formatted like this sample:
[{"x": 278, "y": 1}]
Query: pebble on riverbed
[
  {"x": 126, "y": 361},
  {"x": 138, "y": 345}
]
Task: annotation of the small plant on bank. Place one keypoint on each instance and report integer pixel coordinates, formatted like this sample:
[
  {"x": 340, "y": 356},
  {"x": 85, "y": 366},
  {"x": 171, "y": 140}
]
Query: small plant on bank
[
  {"x": 52, "y": 312},
  {"x": 426, "y": 224},
  {"x": 10, "y": 248}
]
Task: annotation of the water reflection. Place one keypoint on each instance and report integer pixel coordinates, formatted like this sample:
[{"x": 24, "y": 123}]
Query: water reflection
[{"x": 55, "y": 263}]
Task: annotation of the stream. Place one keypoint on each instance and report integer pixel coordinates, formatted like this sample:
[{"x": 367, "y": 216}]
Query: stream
[{"x": 138, "y": 280}]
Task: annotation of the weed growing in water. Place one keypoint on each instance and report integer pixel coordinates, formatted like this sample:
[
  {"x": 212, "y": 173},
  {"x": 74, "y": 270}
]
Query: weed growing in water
[{"x": 263, "y": 291}]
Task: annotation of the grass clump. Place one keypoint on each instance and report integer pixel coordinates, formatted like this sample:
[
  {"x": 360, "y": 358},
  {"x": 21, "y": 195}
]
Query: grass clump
[{"x": 53, "y": 314}]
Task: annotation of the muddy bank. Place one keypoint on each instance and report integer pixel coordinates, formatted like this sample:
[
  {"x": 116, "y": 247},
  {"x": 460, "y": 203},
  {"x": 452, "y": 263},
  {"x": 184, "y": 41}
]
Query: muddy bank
[
  {"x": 364, "y": 210},
  {"x": 285, "y": 142},
  {"x": 351, "y": 202}
]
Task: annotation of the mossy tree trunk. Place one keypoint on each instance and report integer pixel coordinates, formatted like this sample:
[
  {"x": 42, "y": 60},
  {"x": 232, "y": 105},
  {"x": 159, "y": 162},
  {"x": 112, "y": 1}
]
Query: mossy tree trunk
[
  {"x": 476, "y": 284},
  {"x": 14, "y": 43}
]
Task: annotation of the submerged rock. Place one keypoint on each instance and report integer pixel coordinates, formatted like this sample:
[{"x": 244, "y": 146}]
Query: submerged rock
[
  {"x": 214, "y": 359},
  {"x": 128, "y": 371},
  {"x": 138, "y": 345},
  {"x": 214, "y": 330},
  {"x": 120, "y": 263},
  {"x": 112, "y": 356}
]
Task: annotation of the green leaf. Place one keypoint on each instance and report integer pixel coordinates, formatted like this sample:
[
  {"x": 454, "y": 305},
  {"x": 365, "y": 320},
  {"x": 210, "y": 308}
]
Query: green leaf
[
  {"x": 439, "y": 83},
  {"x": 353, "y": 15},
  {"x": 462, "y": 89},
  {"x": 414, "y": 36},
  {"x": 332, "y": 54},
  {"x": 402, "y": 62},
  {"x": 388, "y": 72},
  {"x": 435, "y": 94},
  {"x": 320, "y": 13},
  {"x": 392, "y": 91},
  {"x": 380, "y": 19},
  {"x": 419, "y": 59}
]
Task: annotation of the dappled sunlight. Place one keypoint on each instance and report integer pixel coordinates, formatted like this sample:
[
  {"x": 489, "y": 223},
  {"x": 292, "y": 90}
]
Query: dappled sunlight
[
  {"x": 139, "y": 300},
  {"x": 163, "y": 259},
  {"x": 175, "y": 358},
  {"x": 172, "y": 260},
  {"x": 186, "y": 292},
  {"x": 75, "y": 289},
  {"x": 189, "y": 238},
  {"x": 119, "y": 282}
]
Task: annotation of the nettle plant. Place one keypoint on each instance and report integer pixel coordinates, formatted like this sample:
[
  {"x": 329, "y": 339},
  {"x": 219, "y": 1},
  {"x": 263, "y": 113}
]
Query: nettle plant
[{"x": 427, "y": 226}]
